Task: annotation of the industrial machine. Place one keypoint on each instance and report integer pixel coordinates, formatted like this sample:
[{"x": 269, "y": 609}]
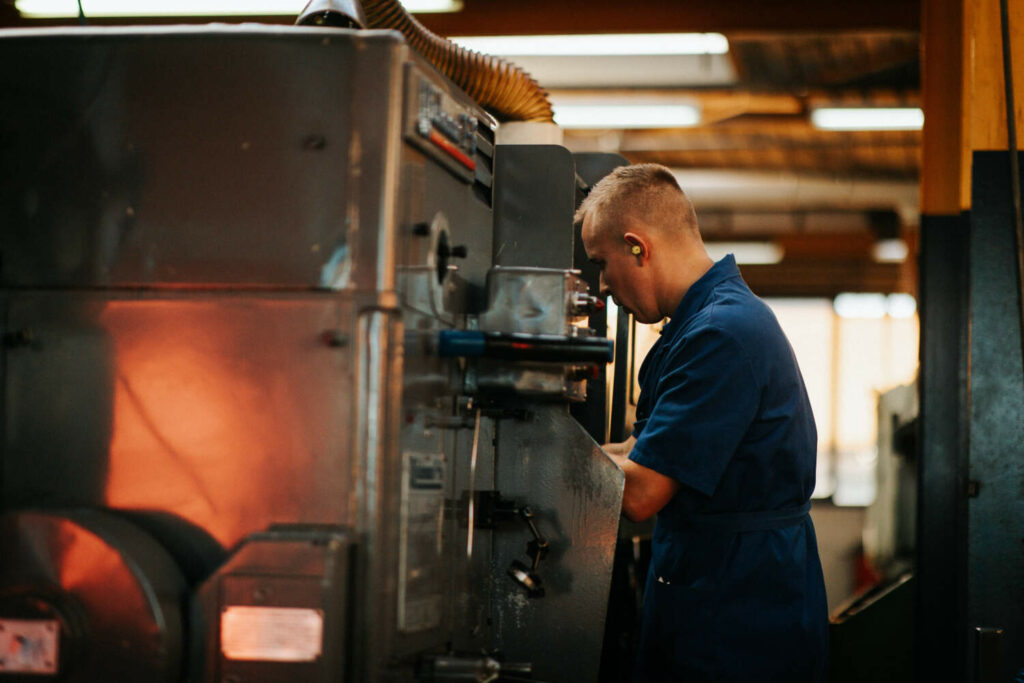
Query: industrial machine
[{"x": 289, "y": 344}]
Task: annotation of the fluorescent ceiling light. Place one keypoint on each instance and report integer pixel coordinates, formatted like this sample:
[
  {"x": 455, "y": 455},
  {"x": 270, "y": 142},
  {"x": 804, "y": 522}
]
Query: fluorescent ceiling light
[
  {"x": 175, "y": 8},
  {"x": 625, "y": 115},
  {"x": 860, "y": 305},
  {"x": 764, "y": 253},
  {"x": 848, "y": 118},
  {"x": 901, "y": 306},
  {"x": 889, "y": 251},
  {"x": 592, "y": 45},
  {"x": 875, "y": 305}
]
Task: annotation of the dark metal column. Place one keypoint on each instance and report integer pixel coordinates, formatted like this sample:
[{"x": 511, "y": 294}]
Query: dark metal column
[
  {"x": 995, "y": 557},
  {"x": 941, "y": 642}
]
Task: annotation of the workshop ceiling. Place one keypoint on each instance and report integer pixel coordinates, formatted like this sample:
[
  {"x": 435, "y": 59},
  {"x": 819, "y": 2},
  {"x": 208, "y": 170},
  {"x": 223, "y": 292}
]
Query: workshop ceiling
[{"x": 756, "y": 167}]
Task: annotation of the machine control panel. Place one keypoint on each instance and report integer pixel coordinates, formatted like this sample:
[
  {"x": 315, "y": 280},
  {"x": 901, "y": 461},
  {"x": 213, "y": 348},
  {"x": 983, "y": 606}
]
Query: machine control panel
[{"x": 439, "y": 125}]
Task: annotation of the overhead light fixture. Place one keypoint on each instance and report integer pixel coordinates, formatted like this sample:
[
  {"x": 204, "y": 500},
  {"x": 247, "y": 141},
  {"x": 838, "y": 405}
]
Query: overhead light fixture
[
  {"x": 901, "y": 306},
  {"x": 889, "y": 251},
  {"x": 860, "y": 305},
  {"x": 875, "y": 306},
  {"x": 43, "y": 9},
  {"x": 625, "y": 115},
  {"x": 874, "y": 118},
  {"x": 598, "y": 44},
  {"x": 760, "y": 253}
]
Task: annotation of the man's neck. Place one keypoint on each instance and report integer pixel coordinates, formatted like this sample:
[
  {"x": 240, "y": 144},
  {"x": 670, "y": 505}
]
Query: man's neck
[{"x": 681, "y": 276}]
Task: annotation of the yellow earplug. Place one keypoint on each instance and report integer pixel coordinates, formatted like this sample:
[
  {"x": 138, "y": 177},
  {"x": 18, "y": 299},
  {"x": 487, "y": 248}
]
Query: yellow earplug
[{"x": 637, "y": 250}]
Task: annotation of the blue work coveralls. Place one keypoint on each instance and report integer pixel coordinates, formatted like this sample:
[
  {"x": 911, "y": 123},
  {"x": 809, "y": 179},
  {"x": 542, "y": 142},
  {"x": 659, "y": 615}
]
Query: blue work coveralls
[{"x": 735, "y": 589}]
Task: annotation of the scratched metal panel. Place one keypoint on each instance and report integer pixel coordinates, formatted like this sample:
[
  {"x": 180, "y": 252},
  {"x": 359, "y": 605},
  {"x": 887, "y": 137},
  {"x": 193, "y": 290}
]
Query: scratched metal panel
[
  {"x": 548, "y": 462},
  {"x": 220, "y": 154},
  {"x": 533, "y": 206}
]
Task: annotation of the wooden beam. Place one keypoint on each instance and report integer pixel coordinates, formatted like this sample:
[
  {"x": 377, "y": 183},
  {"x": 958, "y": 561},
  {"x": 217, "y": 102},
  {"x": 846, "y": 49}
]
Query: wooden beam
[
  {"x": 519, "y": 17},
  {"x": 986, "y": 98},
  {"x": 824, "y": 278},
  {"x": 945, "y": 169}
]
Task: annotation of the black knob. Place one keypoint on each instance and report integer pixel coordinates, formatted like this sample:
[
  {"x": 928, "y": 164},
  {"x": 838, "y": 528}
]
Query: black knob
[{"x": 459, "y": 251}]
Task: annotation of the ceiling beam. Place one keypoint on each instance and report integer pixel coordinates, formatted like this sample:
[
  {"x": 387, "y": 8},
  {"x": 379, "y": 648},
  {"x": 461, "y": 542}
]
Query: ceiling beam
[
  {"x": 519, "y": 17},
  {"x": 826, "y": 278}
]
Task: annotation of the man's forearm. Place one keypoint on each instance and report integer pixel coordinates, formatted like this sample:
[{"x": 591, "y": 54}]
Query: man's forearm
[{"x": 646, "y": 491}]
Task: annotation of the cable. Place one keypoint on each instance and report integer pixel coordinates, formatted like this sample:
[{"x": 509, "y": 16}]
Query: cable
[{"x": 1011, "y": 127}]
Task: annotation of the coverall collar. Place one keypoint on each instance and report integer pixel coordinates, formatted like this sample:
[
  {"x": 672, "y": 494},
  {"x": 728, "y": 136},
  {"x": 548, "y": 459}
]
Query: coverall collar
[{"x": 699, "y": 292}]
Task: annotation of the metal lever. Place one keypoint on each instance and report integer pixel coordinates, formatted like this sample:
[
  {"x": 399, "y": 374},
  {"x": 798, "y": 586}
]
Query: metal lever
[
  {"x": 522, "y": 575},
  {"x": 492, "y": 508},
  {"x": 537, "y": 548}
]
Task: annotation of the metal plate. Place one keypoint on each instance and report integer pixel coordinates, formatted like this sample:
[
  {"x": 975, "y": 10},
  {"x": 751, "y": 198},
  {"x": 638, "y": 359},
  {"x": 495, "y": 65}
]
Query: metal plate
[
  {"x": 575, "y": 491},
  {"x": 125, "y": 170}
]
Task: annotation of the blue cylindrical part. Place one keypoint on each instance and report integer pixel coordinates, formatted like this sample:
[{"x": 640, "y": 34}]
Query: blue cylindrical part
[
  {"x": 543, "y": 348},
  {"x": 461, "y": 343}
]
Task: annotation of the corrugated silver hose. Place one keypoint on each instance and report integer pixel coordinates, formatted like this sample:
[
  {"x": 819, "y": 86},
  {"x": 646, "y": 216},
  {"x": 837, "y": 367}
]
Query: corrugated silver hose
[{"x": 499, "y": 86}]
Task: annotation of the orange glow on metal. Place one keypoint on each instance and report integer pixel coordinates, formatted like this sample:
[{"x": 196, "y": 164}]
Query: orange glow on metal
[{"x": 209, "y": 422}]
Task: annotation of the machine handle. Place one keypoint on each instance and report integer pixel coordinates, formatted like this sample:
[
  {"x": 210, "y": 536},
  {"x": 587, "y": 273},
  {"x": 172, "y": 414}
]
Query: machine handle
[{"x": 525, "y": 347}]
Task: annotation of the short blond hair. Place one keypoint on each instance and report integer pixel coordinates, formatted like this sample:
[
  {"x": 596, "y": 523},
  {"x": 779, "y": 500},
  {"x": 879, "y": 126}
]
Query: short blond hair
[{"x": 648, "y": 192}]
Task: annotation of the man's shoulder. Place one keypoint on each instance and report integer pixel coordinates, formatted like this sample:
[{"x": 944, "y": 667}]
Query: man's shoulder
[{"x": 732, "y": 309}]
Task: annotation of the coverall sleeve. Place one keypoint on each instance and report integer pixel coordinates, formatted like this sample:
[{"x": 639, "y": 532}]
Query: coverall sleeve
[{"x": 707, "y": 397}]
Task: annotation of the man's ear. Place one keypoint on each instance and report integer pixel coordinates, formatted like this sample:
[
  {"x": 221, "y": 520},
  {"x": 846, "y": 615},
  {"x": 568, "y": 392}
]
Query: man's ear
[{"x": 639, "y": 246}]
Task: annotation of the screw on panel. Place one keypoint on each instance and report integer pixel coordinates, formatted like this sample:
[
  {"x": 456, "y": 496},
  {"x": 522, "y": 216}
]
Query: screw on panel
[
  {"x": 314, "y": 142},
  {"x": 333, "y": 338}
]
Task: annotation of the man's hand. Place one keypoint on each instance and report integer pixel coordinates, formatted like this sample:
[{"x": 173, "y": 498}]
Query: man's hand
[
  {"x": 646, "y": 491},
  {"x": 621, "y": 449}
]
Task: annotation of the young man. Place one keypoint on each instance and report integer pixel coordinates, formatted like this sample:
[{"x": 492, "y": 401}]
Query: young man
[{"x": 722, "y": 451}]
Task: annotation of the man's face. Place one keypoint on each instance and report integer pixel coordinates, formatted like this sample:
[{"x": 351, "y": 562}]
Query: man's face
[{"x": 621, "y": 276}]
